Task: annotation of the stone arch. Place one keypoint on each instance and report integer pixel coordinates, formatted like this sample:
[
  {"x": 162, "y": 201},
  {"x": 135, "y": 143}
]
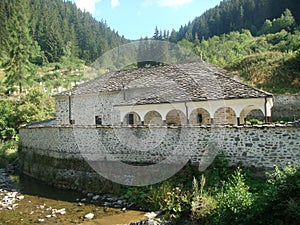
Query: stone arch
[
  {"x": 153, "y": 118},
  {"x": 251, "y": 112},
  {"x": 225, "y": 115},
  {"x": 200, "y": 116},
  {"x": 132, "y": 118},
  {"x": 176, "y": 117}
]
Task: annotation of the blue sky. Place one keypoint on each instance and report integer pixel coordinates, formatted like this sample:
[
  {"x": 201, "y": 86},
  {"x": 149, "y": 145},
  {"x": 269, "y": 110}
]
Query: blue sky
[{"x": 138, "y": 18}]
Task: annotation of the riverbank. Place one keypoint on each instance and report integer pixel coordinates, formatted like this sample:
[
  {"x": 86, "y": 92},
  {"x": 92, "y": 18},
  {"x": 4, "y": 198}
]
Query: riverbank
[{"x": 20, "y": 208}]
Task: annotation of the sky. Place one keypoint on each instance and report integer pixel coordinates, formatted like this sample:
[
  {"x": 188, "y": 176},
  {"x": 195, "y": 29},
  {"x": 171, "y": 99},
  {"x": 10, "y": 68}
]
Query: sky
[{"x": 138, "y": 18}]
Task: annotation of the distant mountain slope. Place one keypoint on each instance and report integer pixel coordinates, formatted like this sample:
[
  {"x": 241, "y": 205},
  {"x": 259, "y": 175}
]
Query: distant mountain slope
[
  {"x": 60, "y": 28},
  {"x": 234, "y": 15}
]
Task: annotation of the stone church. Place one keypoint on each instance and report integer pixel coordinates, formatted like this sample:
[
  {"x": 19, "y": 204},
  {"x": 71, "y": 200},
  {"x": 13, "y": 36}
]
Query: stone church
[{"x": 188, "y": 94}]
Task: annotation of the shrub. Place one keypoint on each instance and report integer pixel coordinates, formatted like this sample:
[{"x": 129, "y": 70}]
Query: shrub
[
  {"x": 174, "y": 202},
  {"x": 219, "y": 170},
  {"x": 8, "y": 152},
  {"x": 282, "y": 199},
  {"x": 136, "y": 195},
  {"x": 202, "y": 205},
  {"x": 234, "y": 201}
]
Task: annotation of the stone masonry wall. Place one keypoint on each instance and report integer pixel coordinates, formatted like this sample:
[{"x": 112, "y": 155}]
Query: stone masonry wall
[
  {"x": 83, "y": 109},
  {"x": 254, "y": 146},
  {"x": 60, "y": 155},
  {"x": 286, "y": 107}
]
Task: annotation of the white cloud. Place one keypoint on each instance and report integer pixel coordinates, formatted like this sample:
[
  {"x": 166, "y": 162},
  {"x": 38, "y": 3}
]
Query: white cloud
[
  {"x": 147, "y": 3},
  {"x": 114, "y": 3},
  {"x": 165, "y": 3},
  {"x": 172, "y": 3},
  {"x": 87, "y": 5}
]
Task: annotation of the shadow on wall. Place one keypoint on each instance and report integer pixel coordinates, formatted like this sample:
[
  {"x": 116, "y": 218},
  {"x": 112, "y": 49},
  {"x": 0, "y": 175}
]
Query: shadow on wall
[{"x": 286, "y": 108}]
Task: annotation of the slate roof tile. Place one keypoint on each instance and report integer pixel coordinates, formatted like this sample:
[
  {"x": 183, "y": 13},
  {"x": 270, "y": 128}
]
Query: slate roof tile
[{"x": 195, "y": 81}]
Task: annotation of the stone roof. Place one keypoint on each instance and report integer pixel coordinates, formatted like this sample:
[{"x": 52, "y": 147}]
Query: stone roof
[
  {"x": 44, "y": 123},
  {"x": 195, "y": 81}
]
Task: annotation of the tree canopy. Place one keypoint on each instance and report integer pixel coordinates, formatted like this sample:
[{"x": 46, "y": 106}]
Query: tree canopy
[
  {"x": 56, "y": 25},
  {"x": 235, "y": 15}
]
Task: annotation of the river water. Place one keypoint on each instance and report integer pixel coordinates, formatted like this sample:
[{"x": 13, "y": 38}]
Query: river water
[
  {"x": 41, "y": 203},
  {"x": 31, "y": 186}
]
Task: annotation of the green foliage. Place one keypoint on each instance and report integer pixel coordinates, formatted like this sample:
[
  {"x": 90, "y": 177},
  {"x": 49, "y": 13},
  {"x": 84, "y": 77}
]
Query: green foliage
[
  {"x": 235, "y": 15},
  {"x": 202, "y": 205},
  {"x": 173, "y": 201},
  {"x": 278, "y": 203},
  {"x": 35, "y": 106},
  {"x": 18, "y": 47},
  {"x": 255, "y": 121},
  {"x": 137, "y": 195},
  {"x": 285, "y": 22},
  {"x": 8, "y": 120},
  {"x": 218, "y": 171},
  {"x": 8, "y": 152},
  {"x": 234, "y": 201},
  {"x": 58, "y": 29},
  {"x": 176, "y": 203},
  {"x": 277, "y": 72},
  {"x": 157, "y": 194},
  {"x": 270, "y": 62},
  {"x": 225, "y": 195}
]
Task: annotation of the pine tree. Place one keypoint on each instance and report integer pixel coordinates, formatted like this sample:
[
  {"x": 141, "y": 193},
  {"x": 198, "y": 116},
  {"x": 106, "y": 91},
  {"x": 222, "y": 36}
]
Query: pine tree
[
  {"x": 285, "y": 21},
  {"x": 3, "y": 25},
  {"x": 18, "y": 47},
  {"x": 173, "y": 36},
  {"x": 156, "y": 34}
]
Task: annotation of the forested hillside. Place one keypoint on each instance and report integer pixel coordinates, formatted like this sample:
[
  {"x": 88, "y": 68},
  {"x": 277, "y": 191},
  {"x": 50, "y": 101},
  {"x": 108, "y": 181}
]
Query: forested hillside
[
  {"x": 234, "y": 15},
  {"x": 58, "y": 27},
  {"x": 44, "y": 47},
  {"x": 270, "y": 61}
]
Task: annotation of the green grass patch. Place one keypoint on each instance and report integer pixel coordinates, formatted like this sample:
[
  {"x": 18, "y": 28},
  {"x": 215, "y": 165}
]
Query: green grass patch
[{"x": 8, "y": 153}]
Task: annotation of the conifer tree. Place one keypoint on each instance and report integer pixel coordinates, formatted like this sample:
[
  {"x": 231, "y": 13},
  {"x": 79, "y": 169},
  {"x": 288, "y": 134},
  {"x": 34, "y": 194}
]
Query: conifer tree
[
  {"x": 18, "y": 47},
  {"x": 3, "y": 25}
]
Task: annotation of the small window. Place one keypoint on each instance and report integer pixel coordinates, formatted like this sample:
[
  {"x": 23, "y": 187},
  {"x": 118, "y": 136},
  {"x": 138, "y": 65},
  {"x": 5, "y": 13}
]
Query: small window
[
  {"x": 98, "y": 120},
  {"x": 200, "y": 119},
  {"x": 130, "y": 119},
  {"x": 72, "y": 122}
]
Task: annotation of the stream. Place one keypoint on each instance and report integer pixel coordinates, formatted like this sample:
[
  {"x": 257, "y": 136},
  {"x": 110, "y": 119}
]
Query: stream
[{"x": 34, "y": 202}]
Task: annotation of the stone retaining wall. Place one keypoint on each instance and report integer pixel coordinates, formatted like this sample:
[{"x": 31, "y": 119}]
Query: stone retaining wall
[
  {"x": 58, "y": 155},
  {"x": 286, "y": 107}
]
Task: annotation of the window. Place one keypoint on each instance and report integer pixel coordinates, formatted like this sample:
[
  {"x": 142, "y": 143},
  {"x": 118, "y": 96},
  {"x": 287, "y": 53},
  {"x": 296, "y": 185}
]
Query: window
[
  {"x": 72, "y": 122},
  {"x": 98, "y": 120},
  {"x": 200, "y": 119},
  {"x": 130, "y": 119}
]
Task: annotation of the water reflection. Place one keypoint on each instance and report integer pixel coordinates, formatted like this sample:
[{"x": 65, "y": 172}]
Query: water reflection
[{"x": 31, "y": 186}]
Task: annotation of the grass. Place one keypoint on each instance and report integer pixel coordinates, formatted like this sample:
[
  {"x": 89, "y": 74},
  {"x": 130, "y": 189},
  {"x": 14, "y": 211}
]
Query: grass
[
  {"x": 273, "y": 71},
  {"x": 8, "y": 153}
]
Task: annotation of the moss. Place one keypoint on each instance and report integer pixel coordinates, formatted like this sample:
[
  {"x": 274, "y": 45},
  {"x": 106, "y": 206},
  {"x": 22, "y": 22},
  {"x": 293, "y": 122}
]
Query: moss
[{"x": 71, "y": 173}]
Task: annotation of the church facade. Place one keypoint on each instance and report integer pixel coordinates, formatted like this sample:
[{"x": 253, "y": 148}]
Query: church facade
[{"x": 190, "y": 94}]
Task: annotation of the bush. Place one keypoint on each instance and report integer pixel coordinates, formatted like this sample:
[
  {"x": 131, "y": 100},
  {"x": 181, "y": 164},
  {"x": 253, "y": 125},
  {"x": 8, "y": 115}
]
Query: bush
[
  {"x": 202, "y": 205},
  {"x": 136, "y": 195},
  {"x": 234, "y": 201},
  {"x": 219, "y": 170},
  {"x": 282, "y": 199},
  {"x": 255, "y": 121},
  {"x": 8, "y": 152},
  {"x": 174, "y": 202}
]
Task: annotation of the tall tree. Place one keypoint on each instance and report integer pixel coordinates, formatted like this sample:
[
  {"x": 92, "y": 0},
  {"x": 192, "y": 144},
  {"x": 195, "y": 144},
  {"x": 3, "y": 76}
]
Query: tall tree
[
  {"x": 19, "y": 47},
  {"x": 3, "y": 24}
]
